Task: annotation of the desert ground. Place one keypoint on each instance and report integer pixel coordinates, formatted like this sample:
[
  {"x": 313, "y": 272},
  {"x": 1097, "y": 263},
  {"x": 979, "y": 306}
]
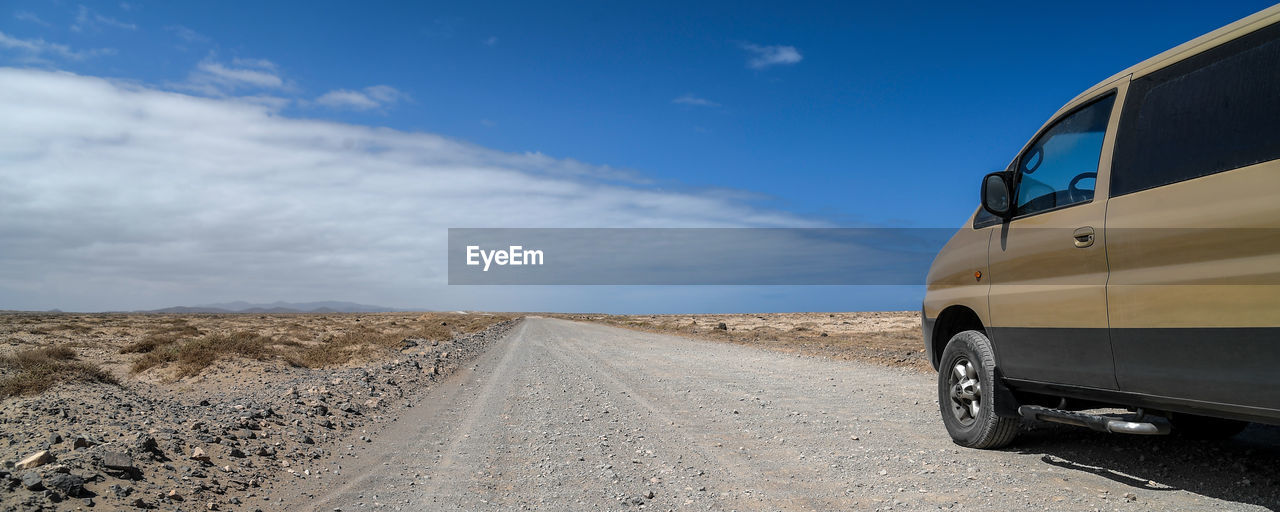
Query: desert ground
[
  {"x": 201, "y": 412},
  {"x": 475, "y": 411},
  {"x": 889, "y": 338}
]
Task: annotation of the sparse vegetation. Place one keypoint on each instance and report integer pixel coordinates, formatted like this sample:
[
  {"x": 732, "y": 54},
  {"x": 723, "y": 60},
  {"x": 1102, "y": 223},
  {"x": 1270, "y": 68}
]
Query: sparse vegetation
[
  {"x": 357, "y": 345},
  {"x": 73, "y": 327},
  {"x": 33, "y": 371},
  {"x": 195, "y": 355},
  {"x": 181, "y": 346},
  {"x": 156, "y": 338},
  {"x": 362, "y": 343}
]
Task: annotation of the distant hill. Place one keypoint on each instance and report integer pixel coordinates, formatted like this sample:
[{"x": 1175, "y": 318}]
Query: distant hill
[{"x": 278, "y": 307}]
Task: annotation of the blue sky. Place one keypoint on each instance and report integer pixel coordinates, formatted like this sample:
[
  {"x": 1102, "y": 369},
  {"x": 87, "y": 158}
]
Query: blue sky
[{"x": 783, "y": 114}]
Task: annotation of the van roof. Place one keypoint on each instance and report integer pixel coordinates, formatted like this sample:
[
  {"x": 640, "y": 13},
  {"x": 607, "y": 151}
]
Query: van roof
[{"x": 1205, "y": 42}]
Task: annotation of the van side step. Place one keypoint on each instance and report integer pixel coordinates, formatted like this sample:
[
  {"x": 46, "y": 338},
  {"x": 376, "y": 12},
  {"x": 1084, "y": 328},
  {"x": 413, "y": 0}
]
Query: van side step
[{"x": 1095, "y": 421}]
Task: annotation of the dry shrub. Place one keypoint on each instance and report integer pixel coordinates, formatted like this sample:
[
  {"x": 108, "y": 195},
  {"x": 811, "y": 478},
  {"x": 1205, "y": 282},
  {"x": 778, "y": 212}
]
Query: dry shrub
[
  {"x": 33, "y": 371},
  {"x": 362, "y": 343},
  {"x": 149, "y": 343},
  {"x": 195, "y": 355},
  {"x": 163, "y": 336},
  {"x": 350, "y": 346},
  {"x": 359, "y": 338},
  {"x": 73, "y": 327}
]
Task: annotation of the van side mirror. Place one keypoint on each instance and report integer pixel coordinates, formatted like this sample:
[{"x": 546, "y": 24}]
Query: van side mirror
[{"x": 996, "y": 194}]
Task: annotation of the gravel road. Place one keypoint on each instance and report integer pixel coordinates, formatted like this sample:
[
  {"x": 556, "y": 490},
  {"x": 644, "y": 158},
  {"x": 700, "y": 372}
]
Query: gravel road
[{"x": 572, "y": 416}]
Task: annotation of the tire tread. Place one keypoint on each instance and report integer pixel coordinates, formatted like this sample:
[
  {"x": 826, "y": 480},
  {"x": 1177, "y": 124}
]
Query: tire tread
[{"x": 995, "y": 431}]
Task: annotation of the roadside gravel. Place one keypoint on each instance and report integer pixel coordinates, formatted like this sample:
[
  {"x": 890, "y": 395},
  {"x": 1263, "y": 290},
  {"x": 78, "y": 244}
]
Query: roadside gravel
[{"x": 225, "y": 443}]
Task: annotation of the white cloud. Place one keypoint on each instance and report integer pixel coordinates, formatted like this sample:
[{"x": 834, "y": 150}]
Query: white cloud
[
  {"x": 89, "y": 20},
  {"x": 30, "y": 17},
  {"x": 188, "y": 35},
  {"x": 118, "y": 196},
  {"x": 491, "y": 41},
  {"x": 36, "y": 48},
  {"x": 369, "y": 98},
  {"x": 219, "y": 79},
  {"x": 766, "y": 56},
  {"x": 690, "y": 99}
]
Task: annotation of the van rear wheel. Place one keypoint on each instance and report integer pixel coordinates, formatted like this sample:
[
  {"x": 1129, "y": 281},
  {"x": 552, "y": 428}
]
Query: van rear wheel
[{"x": 966, "y": 393}]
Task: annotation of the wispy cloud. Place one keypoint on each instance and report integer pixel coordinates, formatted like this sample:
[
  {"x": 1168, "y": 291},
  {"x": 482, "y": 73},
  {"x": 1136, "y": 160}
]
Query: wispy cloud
[
  {"x": 491, "y": 41},
  {"x": 30, "y": 17},
  {"x": 179, "y": 199},
  {"x": 218, "y": 79},
  {"x": 442, "y": 28},
  {"x": 767, "y": 56},
  {"x": 369, "y": 98},
  {"x": 188, "y": 35},
  {"x": 39, "y": 48},
  {"x": 87, "y": 19},
  {"x": 690, "y": 99}
]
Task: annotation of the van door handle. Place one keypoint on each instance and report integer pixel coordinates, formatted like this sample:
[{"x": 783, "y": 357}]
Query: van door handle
[{"x": 1083, "y": 236}]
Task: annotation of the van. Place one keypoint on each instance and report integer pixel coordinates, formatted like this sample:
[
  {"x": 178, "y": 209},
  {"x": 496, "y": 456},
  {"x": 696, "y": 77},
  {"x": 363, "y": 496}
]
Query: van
[{"x": 1123, "y": 273}]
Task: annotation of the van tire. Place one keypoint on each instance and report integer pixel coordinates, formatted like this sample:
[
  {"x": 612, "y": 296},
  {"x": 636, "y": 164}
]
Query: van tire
[{"x": 967, "y": 383}]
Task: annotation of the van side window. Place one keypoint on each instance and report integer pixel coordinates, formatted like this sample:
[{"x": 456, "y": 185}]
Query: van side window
[
  {"x": 1213, "y": 112},
  {"x": 1061, "y": 167}
]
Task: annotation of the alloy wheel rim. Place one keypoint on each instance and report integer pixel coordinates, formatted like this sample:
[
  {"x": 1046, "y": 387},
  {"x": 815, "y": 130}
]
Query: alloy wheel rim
[{"x": 965, "y": 390}]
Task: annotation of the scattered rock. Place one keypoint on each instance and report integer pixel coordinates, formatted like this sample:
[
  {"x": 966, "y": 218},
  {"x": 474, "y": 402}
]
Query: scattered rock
[
  {"x": 722, "y": 326},
  {"x": 117, "y": 460},
  {"x": 145, "y": 443},
  {"x": 132, "y": 433},
  {"x": 35, "y": 460},
  {"x": 66, "y": 483},
  {"x": 32, "y": 481}
]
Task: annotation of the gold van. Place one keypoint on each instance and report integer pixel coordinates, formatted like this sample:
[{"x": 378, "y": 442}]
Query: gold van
[{"x": 1128, "y": 258}]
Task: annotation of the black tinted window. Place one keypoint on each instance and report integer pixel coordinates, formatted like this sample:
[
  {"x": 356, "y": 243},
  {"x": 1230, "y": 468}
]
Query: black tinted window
[{"x": 1214, "y": 112}]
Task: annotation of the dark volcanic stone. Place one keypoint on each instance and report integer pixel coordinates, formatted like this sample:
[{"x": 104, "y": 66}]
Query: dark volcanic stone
[
  {"x": 31, "y": 481},
  {"x": 145, "y": 443},
  {"x": 67, "y": 484},
  {"x": 117, "y": 460}
]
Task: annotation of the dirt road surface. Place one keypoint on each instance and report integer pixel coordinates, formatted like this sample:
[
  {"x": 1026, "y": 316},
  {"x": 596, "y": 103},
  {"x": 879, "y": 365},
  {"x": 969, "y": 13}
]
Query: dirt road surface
[{"x": 574, "y": 416}]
